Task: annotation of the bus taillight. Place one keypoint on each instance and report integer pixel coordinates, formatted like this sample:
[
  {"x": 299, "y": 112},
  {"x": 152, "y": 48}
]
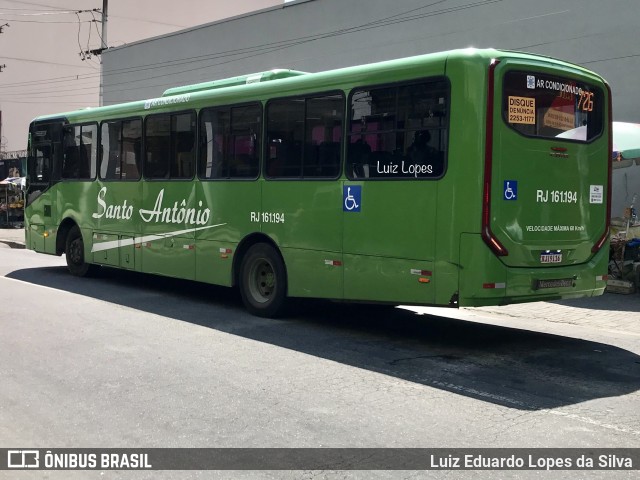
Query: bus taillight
[{"x": 487, "y": 235}]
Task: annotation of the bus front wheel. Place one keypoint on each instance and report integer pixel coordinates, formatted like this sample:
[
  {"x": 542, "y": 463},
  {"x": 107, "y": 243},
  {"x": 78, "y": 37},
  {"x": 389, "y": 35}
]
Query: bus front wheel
[
  {"x": 74, "y": 253},
  {"x": 263, "y": 281}
]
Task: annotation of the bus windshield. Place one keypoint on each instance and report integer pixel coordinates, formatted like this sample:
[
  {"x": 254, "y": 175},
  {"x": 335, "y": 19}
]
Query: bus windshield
[{"x": 549, "y": 106}]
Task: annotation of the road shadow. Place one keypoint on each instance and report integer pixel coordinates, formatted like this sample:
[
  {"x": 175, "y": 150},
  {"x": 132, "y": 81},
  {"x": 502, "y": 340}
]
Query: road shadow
[{"x": 506, "y": 366}]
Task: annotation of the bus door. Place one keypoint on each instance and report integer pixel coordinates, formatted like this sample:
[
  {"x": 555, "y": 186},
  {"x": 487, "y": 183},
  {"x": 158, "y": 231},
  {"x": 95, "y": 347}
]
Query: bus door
[
  {"x": 395, "y": 157},
  {"x": 42, "y": 174},
  {"x": 169, "y": 195},
  {"x": 547, "y": 175},
  {"x": 167, "y": 242}
]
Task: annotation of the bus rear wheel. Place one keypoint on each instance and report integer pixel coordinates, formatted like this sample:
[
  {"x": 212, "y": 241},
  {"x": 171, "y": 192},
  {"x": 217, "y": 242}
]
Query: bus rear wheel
[
  {"x": 74, "y": 254},
  {"x": 263, "y": 281}
]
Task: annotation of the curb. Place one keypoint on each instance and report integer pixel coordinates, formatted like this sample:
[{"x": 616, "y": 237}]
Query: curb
[{"x": 13, "y": 244}]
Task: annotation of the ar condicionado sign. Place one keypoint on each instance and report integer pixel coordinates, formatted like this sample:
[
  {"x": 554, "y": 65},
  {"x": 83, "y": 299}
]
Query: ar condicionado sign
[{"x": 522, "y": 110}]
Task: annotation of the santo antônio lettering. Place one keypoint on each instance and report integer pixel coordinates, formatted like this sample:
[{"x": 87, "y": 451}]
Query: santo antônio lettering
[{"x": 178, "y": 213}]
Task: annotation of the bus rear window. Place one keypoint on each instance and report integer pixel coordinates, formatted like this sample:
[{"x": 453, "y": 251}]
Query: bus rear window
[{"x": 548, "y": 106}]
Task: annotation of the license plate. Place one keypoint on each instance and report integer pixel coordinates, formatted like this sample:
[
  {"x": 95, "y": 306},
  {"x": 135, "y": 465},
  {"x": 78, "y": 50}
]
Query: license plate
[
  {"x": 557, "y": 283},
  {"x": 550, "y": 258}
]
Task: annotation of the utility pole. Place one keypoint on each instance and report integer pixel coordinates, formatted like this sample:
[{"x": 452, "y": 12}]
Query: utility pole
[
  {"x": 103, "y": 46},
  {"x": 3, "y": 66}
]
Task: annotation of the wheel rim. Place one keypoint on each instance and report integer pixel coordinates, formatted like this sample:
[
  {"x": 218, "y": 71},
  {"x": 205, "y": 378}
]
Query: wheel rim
[{"x": 262, "y": 281}]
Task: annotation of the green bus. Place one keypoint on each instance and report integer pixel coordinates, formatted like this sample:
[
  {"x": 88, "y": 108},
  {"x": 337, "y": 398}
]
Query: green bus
[{"x": 438, "y": 179}]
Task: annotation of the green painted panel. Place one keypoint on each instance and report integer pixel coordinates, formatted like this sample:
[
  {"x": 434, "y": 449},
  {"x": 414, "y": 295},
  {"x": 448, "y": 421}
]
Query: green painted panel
[
  {"x": 393, "y": 280},
  {"x": 106, "y": 251},
  {"x": 109, "y": 206},
  {"x": 231, "y": 203},
  {"x": 303, "y": 214},
  {"x": 475, "y": 256},
  {"x": 35, "y": 237},
  {"x": 127, "y": 252},
  {"x": 395, "y": 220},
  {"x": 314, "y": 273},
  {"x": 510, "y": 285},
  {"x": 169, "y": 215},
  {"x": 214, "y": 262}
]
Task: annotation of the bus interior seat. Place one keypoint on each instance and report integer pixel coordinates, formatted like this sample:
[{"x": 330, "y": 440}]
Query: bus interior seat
[{"x": 185, "y": 164}]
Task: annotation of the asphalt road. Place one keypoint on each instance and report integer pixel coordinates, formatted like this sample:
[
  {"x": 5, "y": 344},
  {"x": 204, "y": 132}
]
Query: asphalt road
[{"x": 128, "y": 360}]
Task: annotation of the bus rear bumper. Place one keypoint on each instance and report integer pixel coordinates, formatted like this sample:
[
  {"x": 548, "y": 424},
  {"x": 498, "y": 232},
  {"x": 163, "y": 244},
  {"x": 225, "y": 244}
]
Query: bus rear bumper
[{"x": 493, "y": 283}]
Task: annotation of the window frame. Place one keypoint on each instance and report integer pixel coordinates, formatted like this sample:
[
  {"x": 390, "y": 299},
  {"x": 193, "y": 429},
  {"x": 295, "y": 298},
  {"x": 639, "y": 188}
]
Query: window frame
[
  {"x": 101, "y": 152},
  {"x": 169, "y": 178},
  {"x": 90, "y": 178},
  {"x": 305, "y": 97},
  {"x": 559, "y": 76},
  {"x": 261, "y": 136}
]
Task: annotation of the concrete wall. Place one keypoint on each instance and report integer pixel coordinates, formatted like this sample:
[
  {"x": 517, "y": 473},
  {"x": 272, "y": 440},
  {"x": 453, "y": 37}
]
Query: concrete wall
[{"x": 314, "y": 35}]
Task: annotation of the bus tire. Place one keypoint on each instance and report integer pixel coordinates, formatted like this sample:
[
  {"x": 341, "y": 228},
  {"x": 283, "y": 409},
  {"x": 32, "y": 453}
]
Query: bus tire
[
  {"x": 263, "y": 281},
  {"x": 74, "y": 254}
]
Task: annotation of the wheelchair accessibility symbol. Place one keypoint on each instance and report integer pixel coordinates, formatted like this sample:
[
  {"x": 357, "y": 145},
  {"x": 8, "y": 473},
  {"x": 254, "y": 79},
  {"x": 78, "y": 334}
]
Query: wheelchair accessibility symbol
[
  {"x": 510, "y": 190},
  {"x": 351, "y": 198}
]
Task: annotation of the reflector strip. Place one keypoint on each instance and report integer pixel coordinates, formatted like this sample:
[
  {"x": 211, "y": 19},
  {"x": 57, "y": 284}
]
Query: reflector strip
[
  {"x": 426, "y": 273},
  {"x": 189, "y": 247},
  {"x": 333, "y": 263},
  {"x": 226, "y": 250},
  {"x": 494, "y": 285},
  {"x": 602, "y": 278}
]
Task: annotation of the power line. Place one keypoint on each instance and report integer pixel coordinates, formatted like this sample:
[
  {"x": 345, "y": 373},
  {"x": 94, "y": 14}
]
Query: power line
[
  {"x": 37, "y": 61},
  {"x": 145, "y": 20},
  {"x": 36, "y": 21},
  {"x": 40, "y": 13},
  {"x": 38, "y": 5}
]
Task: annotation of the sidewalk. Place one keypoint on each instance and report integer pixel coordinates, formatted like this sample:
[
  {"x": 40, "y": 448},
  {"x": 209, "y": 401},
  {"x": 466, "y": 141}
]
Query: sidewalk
[{"x": 611, "y": 311}]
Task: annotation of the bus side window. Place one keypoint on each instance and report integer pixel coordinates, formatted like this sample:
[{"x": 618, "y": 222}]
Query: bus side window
[
  {"x": 244, "y": 141},
  {"x": 157, "y": 146},
  {"x": 183, "y": 137},
  {"x": 40, "y": 164},
  {"x": 79, "y": 155},
  {"x": 131, "y": 149},
  {"x": 359, "y": 157},
  {"x": 304, "y": 136},
  {"x": 70, "y": 162},
  {"x": 182, "y": 167},
  {"x": 399, "y": 132},
  {"x": 230, "y": 142},
  {"x": 70, "y": 152}
]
